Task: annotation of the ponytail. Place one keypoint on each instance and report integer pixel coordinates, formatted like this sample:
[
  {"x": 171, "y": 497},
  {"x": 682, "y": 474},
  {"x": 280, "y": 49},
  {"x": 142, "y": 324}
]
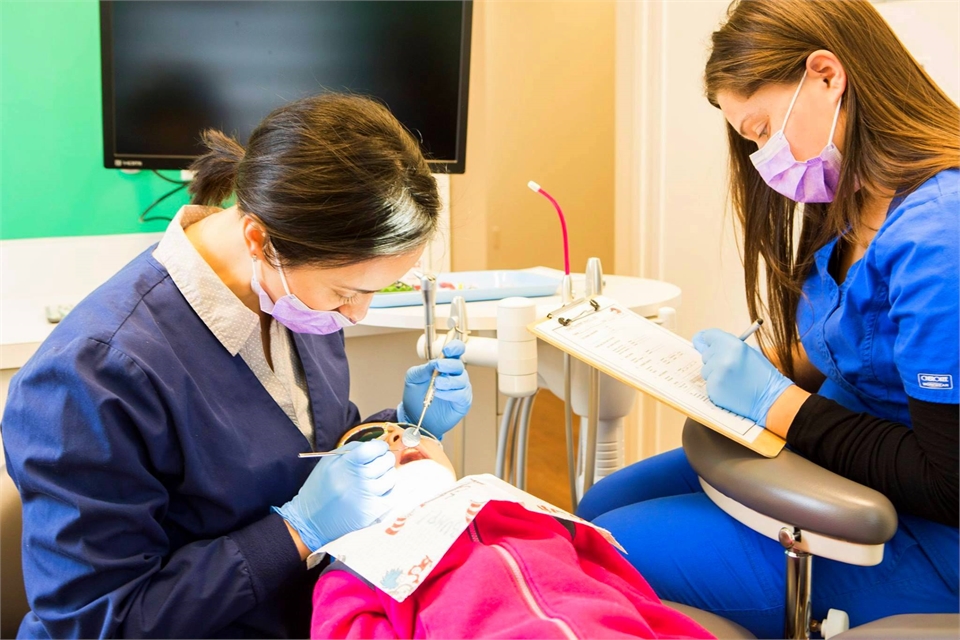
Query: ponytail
[{"x": 215, "y": 172}]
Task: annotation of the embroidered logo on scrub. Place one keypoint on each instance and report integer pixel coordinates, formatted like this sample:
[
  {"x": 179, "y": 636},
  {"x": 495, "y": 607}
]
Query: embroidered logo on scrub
[{"x": 935, "y": 380}]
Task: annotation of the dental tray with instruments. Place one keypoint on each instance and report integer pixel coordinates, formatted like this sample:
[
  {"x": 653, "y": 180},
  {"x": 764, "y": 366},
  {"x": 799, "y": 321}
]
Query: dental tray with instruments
[{"x": 473, "y": 286}]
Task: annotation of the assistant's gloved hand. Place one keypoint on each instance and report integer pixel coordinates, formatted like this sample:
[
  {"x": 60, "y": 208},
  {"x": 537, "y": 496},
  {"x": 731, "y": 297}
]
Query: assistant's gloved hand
[
  {"x": 452, "y": 397},
  {"x": 343, "y": 493},
  {"x": 739, "y": 378}
]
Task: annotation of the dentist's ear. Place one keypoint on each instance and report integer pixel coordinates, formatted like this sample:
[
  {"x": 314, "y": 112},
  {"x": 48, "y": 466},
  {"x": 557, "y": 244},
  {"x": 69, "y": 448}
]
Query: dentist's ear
[
  {"x": 827, "y": 68},
  {"x": 254, "y": 236}
]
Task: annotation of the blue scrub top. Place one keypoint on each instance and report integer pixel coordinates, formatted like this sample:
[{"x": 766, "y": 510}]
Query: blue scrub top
[
  {"x": 148, "y": 459},
  {"x": 892, "y": 328}
]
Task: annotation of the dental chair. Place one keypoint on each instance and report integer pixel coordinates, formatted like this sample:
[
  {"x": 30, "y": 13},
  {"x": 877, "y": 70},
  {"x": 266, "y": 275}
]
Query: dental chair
[
  {"x": 810, "y": 511},
  {"x": 13, "y": 599}
]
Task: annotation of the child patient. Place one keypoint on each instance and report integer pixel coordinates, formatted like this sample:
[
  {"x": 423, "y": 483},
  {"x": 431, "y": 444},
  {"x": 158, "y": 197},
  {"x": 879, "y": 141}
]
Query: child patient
[{"x": 512, "y": 573}]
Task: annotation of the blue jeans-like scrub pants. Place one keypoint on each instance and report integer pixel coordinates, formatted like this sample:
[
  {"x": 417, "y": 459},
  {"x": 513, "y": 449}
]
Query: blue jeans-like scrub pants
[{"x": 692, "y": 552}]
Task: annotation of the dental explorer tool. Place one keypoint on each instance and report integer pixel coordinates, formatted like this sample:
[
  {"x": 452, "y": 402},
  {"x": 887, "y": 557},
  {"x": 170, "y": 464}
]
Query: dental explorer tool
[
  {"x": 411, "y": 435},
  {"x": 319, "y": 454}
]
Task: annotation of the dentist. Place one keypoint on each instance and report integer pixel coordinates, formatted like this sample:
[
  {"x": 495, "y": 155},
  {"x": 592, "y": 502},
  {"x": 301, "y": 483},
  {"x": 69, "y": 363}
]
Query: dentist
[
  {"x": 844, "y": 159},
  {"x": 154, "y": 435}
]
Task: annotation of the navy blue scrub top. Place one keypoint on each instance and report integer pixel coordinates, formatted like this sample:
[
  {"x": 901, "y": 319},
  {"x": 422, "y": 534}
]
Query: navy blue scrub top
[
  {"x": 891, "y": 329},
  {"x": 148, "y": 458}
]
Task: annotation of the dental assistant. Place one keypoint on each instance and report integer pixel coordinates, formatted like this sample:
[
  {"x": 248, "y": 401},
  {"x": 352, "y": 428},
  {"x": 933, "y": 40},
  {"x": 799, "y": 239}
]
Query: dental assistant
[
  {"x": 154, "y": 435},
  {"x": 835, "y": 128}
]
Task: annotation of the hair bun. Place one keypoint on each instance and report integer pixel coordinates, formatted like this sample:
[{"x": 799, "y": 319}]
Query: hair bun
[{"x": 215, "y": 172}]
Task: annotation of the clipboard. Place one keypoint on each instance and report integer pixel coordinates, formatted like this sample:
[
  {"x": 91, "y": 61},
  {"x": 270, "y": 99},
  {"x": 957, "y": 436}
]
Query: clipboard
[{"x": 645, "y": 356}]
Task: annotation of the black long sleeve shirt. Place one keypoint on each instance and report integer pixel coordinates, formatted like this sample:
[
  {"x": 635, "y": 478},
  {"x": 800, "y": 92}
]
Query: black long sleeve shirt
[{"x": 917, "y": 468}]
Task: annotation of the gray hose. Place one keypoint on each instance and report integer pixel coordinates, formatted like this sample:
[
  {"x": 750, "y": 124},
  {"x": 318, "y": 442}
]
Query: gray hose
[
  {"x": 523, "y": 433},
  {"x": 503, "y": 436}
]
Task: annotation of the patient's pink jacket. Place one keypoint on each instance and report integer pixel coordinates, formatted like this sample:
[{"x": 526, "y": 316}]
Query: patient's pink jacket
[{"x": 511, "y": 574}]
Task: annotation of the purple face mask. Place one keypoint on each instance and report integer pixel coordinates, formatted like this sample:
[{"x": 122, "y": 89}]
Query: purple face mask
[
  {"x": 293, "y": 314},
  {"x": 812, "y": 181}
]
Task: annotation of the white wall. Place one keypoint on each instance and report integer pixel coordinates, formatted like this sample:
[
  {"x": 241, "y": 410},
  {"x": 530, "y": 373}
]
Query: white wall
[
  {"x": 671, "y": 159},
  {"x": 541, "y": 108},
  {"x": 930, "y": 29}
]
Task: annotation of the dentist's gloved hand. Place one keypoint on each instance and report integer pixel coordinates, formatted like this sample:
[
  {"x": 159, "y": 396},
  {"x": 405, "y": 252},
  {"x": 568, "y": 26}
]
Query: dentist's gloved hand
[
  {"x": 453, "y": 393},
  {"x": 343, "y": 493},
  {"x": 739, "y": 378}
]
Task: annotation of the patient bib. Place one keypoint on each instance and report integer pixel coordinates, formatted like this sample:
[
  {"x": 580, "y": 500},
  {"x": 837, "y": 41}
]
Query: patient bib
[{"x": 398, "y": 554}]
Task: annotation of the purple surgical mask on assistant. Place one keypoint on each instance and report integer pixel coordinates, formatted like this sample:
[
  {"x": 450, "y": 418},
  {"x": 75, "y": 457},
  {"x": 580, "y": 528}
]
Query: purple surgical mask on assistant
[
  {"x": 814, "y": 180},
  {"x": 293, "y": 314}
]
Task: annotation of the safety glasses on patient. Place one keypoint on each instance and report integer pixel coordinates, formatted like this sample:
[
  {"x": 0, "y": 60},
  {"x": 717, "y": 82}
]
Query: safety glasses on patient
[
  {"x": 365, "y": 433},
  {"x": 376, "y": 432}
]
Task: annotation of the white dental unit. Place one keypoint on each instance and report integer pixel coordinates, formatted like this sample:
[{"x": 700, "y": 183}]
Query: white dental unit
[
  {"x": 524, "y": 365},
  {"x": 496, "y": 337}
]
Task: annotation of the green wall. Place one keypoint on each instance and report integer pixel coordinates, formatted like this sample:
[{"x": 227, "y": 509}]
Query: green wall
[{"x": 52, "y": 179}]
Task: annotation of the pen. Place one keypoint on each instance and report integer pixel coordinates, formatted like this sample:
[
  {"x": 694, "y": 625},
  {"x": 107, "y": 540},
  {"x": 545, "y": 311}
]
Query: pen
[{"x": 752, "y": 329}]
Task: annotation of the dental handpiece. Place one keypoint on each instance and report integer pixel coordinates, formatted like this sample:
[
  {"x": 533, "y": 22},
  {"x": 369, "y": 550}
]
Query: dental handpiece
[{"x": 428, "y": 287}]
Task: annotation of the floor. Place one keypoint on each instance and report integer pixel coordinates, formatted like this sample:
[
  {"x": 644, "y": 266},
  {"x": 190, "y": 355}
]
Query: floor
[{"x": 547, "y": 451}]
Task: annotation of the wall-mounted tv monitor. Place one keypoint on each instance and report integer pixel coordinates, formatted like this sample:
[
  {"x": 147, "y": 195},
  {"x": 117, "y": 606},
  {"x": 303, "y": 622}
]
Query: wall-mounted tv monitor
[{"x": 172, "y": 69}]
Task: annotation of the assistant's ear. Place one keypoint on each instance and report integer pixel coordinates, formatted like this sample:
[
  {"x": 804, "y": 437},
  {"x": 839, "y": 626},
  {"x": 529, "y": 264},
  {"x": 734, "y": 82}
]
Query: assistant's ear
[
  {"x": 826, "y": 67},
  {"x": 253, "y": 236}
]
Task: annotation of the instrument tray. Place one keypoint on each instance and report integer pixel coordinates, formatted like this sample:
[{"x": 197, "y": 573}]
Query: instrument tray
[{"x": 475, "y": 286}]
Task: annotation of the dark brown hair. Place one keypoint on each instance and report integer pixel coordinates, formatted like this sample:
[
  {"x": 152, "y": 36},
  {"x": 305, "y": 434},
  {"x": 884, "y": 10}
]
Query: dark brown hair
[
  {"x": 900, "y": 130},
  {"x": 334, "y": 179}
]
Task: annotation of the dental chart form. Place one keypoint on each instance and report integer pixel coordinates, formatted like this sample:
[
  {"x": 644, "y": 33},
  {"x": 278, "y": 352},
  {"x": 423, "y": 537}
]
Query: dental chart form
[{"x": 649, "y": 358}]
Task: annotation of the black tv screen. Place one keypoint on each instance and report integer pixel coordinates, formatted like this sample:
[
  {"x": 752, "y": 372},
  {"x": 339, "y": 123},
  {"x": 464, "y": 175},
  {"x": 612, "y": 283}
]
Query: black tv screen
[{"x": 172, "y": 69}]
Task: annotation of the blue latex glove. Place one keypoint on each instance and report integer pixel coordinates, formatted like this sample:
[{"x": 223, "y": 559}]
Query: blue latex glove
[
  {"x": 343, "y": 493},
  {"x": 452, "y": 397},
  {"x": 739, "y": 378}
]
